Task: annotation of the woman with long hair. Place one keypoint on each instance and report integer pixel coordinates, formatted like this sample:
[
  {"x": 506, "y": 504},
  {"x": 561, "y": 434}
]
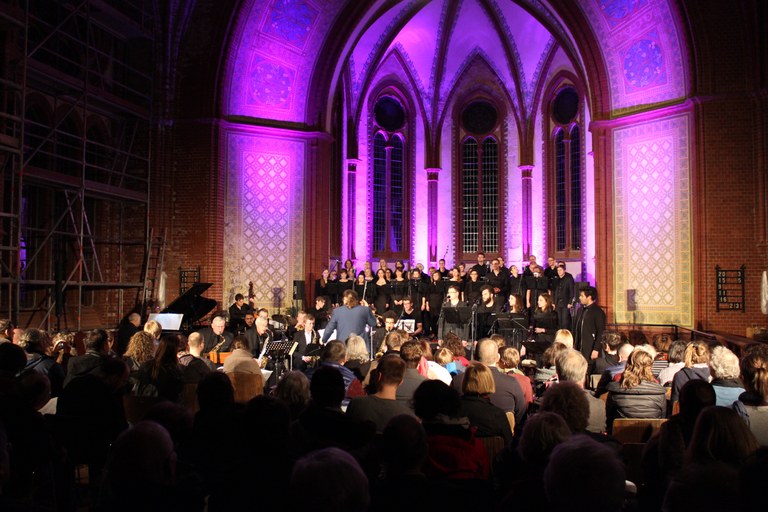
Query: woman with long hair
[
  {"x": 383, "y": 297},
  {"x": 399, "y": 288},
  {"x": 476, "y": 405},
  {"x": 696, "y": 367},
  {"x": 637, "y": 394},
  {"x": 141, "y": 348},
  {"x": 545, "y": 322},
  {"x": 162, "y": 375}
]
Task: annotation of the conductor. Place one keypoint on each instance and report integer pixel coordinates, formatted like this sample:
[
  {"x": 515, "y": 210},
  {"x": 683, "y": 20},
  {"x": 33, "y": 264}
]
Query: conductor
[{"x": 350, "y": 318}]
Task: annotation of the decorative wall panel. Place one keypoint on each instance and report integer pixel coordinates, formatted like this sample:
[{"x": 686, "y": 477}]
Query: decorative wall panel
[
  {"x": 652, "y": 216},
  {"x": 264, "y": 219}
]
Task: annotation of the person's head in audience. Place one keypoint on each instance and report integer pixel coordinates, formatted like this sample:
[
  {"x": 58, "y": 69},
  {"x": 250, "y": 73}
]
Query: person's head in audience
[
  {"x": 624, "y": 351},
  {"x": 720, "y": 435},
  {"x": 478, "y": 380},
  {"x": 488, "y": 352},
  {"x": 411, "y": 353},
  {"x": 153, "y": 328},
  {"x": 638, "y": 369},
  {"x": 426, "y": 350},
  {"x": 724, "y": 364},
  {"x": 174, "y": 418},
  {"x": 33, "y": 389},
  {"x": 444, "y": 358},
  {"x": 142, "y": 463},
  {"x": 196, "y": 344},
  {"x": 293, "y": 388},
  {"x": 499, "y": 340},
  {"x": 35, "y": 341},
  {"x": 357, "y": 349},
  {"x": 565, "y": 337},
  {"x": 571, "y": 366},
  {"x": 6, "y": 329},
  {"x": 327, "y": 387},
  {"x": 551, "y": 353},
  {"x": 569, "y": 401},
  {"x": 114, "y": 373},
  {"x": 404, "y": 444},
  {"x": 637, "y": 338},
  {"x": 12, "y": 359},
  {"x": 695, "y": 396},
  {"x": 215, "y": 391},
  {"x": 97, "y": 340},
  {"x": 584, "y": 476},
  {"x": 241, "y": 342},
  {"x": 677, "y": 352},
  {"x": 389, "y": 372},
  {"x": 334, "y": 352},
  {"x": 648, "y": 348},
  {"x": 541, "y": 433},
  {"x": 754, "y": 371},
  {"x": 329, "y": 480},
  {"x": 393, "y": 340},
  {"x": 141, "y": 347},
  {"x": 697, "y": 352},
  {"x": 452, "y": 342},
  {"x": 434, "y": 398},
  {"x": 509, "y": 358},
  {"x": 662, "y": 342},
  {"x": 611, "y": 341}
]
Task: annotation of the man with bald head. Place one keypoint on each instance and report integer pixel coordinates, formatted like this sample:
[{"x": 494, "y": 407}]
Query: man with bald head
[
  {"x": 215, "y": 337},
  {"x": 194, "y": 367},
  {"x": 509, "y": 395}
]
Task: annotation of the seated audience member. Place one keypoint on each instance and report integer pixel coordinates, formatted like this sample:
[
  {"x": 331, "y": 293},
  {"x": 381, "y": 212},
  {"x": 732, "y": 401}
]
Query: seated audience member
[
  {"x": 611, "y": 341},
  {"x": 193, "y": 366},
  {"x": 161, "y": 377},
  {"x": 96, "y": 352},
  {"x": 434, "y": 370},
  {"x": 154, "y": 329},
  {"x": 676, "y": 360},
  {"x": 13, "y": 359},
  {"x": 613, "y": 373},
  {"x": 509, "y": 362},
  {"x": 565, "y": 337},
  {"x": 454, "y": 451},
  {"x": 571, "y": 366},
  {"x": 523, "y": 474},
  {"x": 141, "y": 473},
  {"x": 63, "y": 348},
  {"x": 37, "y": 345},
  {"x": 383, "y": 405},
  {"x": 752, "y": 405},
  {"x": 323, "y": 424},
  {"x": 724, "y": 368},
  {"x": 358, "y": 358},
  {"x": 584, "y": 476},
  {"x": 664, "y": 453},
  {"x": 141, "y": 348},
  {"x": 509, "y": 395},
  {"x": 662, "y": 343},
  {"x": 547, "y": 374},
  {"x": 128, "y": 327},
  {"x": 293, "y": 390},
  {"x": 488, "y": 419},
  {"x": 444, "y": 358},
  {"x": 453, "y": 343},
  {"x": 709, "y": 479},
  {"x": 696, "y": 367},
  {"x": 329, "y": 480},
  {"x": 334, "y": 356},
  {"x": 241, "y": 359},
  {"x": 637, "y": 395},
  {"x": 411, "y": 353}
]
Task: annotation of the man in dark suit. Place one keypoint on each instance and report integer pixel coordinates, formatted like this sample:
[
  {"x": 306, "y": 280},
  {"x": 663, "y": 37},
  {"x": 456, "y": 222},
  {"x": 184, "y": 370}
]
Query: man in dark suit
[
  {"x": 351, "y": 318},
  {"x": 480, "y": 267},
  {"x": 589, "y": 326},
  {"x": 563, "y": 291},
  {"x": 509, "y": 396},
  {"x": 128, "y": 327},
  {"x": 215, "y": 336},
  {"x": 96, "y": 352}
]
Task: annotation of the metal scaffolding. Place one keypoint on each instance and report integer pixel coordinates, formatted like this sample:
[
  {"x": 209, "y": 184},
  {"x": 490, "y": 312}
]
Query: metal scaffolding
[{"x": 76, "y": 84}]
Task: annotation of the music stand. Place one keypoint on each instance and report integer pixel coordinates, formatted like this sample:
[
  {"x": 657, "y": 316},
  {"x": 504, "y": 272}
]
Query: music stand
[
  {"x": 314, "y": 350},
  {"x": 278, "y": 350},
  {"x": 460, "y": 315}
]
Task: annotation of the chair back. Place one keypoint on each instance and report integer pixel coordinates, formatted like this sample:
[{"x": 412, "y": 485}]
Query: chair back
[
  {"x": 636, "y": 430},
  {"x": 247, "y": 385},
  {"x": 511, "y": 421}
]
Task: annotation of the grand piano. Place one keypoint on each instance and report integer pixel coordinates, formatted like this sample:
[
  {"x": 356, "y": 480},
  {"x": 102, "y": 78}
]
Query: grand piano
[{"x": 192, "y": 305}]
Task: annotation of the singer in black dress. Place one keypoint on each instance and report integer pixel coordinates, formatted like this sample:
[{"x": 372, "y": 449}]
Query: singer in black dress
[
  {"x": 364, "y": 289},
  {"x": 545, "y": 323},
  {"x": 399, "y": 287},
  {"x": 383, "y": 297},
  {"x": 435, "y": 296},
  {"x": 472, "y": 287}
]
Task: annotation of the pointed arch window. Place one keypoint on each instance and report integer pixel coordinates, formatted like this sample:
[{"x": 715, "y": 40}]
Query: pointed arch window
[
  {"x": 390, "y": 180},
  {"x": 565, "y": 196},
  {"x": 479, "y": 175}
]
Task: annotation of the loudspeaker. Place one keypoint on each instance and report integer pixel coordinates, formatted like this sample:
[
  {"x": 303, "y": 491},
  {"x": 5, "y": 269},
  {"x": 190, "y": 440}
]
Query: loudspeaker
[
  {"x": 298, "y": 290},
  {"x": 631, "y": 300}
]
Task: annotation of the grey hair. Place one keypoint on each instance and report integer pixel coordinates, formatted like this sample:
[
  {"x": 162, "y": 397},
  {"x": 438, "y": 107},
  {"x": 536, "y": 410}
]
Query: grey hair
[{"x": 724, "y": 364}]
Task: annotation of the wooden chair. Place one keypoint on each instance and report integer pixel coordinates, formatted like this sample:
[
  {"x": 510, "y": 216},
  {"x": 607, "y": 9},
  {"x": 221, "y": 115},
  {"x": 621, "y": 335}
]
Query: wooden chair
[
  {"x": 136, "y": 407},
  {"x": 636, "y": 430},
  {"x": 218, "y": 358},
  {"x": 247, "y": 385},
  {"x": 593, "y": 380}
]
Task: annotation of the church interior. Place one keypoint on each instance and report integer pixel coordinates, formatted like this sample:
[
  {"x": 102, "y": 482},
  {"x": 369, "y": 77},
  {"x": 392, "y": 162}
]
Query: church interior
[{"x": 146, "y": 146}]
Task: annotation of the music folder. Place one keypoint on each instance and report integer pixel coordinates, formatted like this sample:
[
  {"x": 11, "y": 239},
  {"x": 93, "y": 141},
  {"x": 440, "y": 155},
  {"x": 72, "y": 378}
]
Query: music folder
[{"x": 168, "y": 321}]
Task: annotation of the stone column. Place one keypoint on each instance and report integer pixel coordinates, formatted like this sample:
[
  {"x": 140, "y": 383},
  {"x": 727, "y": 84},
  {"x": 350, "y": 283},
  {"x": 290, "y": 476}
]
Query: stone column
[
  {"x": 433, "y": 174},
  {"x": 526, "y": 172},
  {"x": 352, "y": 164}
]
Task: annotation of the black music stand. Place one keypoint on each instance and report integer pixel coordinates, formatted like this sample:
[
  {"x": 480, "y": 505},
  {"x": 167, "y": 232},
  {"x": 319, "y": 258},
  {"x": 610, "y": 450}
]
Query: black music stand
[
  {"x": 462, "y": 316},
  {"x": 278, "y": 351}
]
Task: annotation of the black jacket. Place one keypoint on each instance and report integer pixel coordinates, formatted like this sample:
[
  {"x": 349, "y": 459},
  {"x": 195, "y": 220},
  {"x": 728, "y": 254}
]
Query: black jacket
[{"x": 646, "y": 400}]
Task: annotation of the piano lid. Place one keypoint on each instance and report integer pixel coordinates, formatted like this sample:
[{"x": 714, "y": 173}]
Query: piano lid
[{"x": 191, "y": 304}]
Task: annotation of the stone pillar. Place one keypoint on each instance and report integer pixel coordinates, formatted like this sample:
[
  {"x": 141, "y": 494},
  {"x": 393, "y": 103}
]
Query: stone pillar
[
  {"x": 433, "y": 174},
  {"x": 526, "y": 172}
]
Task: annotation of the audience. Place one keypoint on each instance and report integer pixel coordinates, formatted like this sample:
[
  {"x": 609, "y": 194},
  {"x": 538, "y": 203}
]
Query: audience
[
  {"x": 293, "y": 390},
  {"x": 637, "y": 395},
  {"x": 328, "y": 480},
  {"x": 411, "y": 352},
  {"x": 141, "y": 349},
  {"x": 696, "y": 367},
  {"x": 571, "y": 366},
  {"x": 383, "y": 405},
  {"x": 476, "y": 405},
  {"x": 752, "y": 405},
  {"x": 37, "y": 345},
  {"x": 725, "y": 371},
  {"x": 676, "y": 360},
  {"x": 161, "y": 376},
  {"x": 241, "y": 359},
  {"x": 96, "y": 352}
]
